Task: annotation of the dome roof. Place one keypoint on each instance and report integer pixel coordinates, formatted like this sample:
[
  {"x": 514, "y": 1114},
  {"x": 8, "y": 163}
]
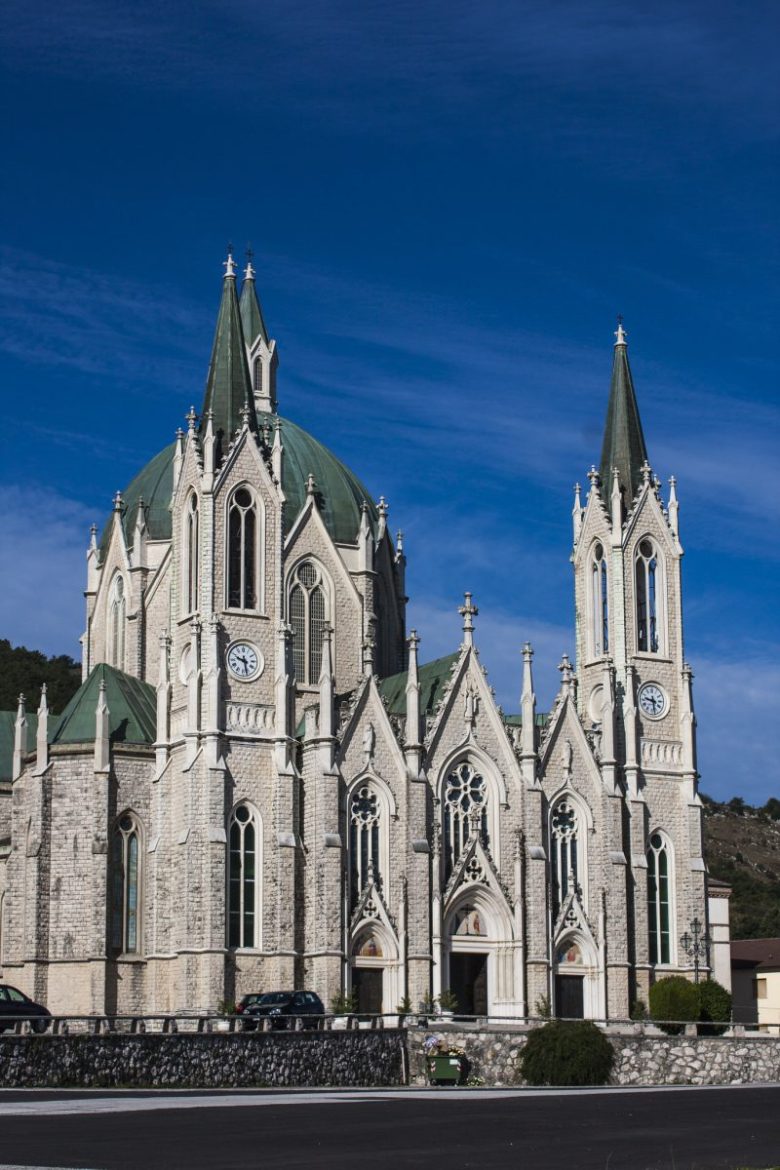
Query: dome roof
[{"x": 340, "y": 494}]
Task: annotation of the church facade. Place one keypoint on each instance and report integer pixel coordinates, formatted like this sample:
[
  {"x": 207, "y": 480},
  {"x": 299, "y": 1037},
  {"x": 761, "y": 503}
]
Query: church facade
[{"x": 259, "y": 785}]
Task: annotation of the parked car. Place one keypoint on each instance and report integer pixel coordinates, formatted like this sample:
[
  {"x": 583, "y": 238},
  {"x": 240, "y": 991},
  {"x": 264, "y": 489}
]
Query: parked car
[
  {"x": 15, "y": 1006},
  {"x": 283, "y": 1008},
  {"x": 247, "y": 1001}
]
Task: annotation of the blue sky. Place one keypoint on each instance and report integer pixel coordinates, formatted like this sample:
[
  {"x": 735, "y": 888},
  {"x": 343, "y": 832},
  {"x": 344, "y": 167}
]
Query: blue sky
[{"x": 449, "y": 203}]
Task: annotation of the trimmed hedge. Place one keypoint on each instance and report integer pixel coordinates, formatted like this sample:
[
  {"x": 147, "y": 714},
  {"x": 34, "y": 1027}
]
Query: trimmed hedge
[
  {"x": 675, "y": 998},
  {"x": 567, "y": 1052}
]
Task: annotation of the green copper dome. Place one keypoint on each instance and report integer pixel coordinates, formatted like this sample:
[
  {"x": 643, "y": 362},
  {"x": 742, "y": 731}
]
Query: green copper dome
[{"x": 340, "y": 494}]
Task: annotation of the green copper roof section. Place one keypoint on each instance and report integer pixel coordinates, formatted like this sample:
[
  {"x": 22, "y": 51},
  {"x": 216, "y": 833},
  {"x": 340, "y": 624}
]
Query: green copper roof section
[
  {"x": 131, "y": 703},
  {"x": 7, "y": 730},
  {"x": 153, "y": 485},
  {"x": 339, "y": 493},
  {"x": 228, "y": 385},
  {"x": 252, "y": 321},
  {"x": 624, "y": 444},
  {"x": 433, "y": 678}
]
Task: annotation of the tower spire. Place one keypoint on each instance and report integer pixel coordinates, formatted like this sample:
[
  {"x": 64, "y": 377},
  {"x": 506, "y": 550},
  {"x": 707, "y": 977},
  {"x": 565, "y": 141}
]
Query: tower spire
[
  {"x": 251, "y": 313},
  {"x": 624, "y": 443},
  {"x": 228, "y": 385}
]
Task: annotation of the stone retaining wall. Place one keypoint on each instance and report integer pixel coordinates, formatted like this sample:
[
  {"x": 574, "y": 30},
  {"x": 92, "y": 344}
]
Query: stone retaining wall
[
  {"x": 356, "y": 1058},
  {"x": 204, "y": 1061},
  {"x": 493, "y": 1057}
]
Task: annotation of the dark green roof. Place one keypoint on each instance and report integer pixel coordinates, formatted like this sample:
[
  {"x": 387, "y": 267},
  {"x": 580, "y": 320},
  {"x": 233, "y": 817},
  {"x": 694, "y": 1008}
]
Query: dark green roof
[
  {"x": 433, "y": 677},
  {"x": 7, "y": 726},
  {"x": 228, "y": 385},
  {"x": 251, "y": 314},
  {"x": 624, "y": 443},
  {"x": 541, "y": 719},
  {"x": 339, "y": 492},
  {"x": 131, "y": 703}
]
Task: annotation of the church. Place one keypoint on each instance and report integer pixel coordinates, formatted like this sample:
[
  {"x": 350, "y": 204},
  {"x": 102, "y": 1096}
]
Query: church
[{"x": 260, "y": 786}]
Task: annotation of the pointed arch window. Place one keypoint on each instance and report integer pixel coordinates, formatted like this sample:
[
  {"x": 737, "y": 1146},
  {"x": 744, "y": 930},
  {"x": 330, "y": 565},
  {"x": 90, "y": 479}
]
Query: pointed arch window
[
  {"x": 308, "y": 615},
  {"x": 116, "y": 630},
  {"x": 243, "y": 877},
  {"x": 600, "y": 601},
  {"x": 647, "y": 597},
  {"x": 464, "y": 811},
  {"x": 365, "y": 817},
  {"x": 126, "y": 885},
  {"x": 243, "y": 547},
  {"x": 659, "y": 898},
  {"x": 191, "y": 582},
  {"x": 564, "y": 851}
]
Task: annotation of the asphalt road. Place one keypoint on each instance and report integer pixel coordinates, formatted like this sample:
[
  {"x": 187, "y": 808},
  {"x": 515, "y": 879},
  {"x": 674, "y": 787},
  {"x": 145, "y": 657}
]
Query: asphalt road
[{"x": 667, "y": 1129}]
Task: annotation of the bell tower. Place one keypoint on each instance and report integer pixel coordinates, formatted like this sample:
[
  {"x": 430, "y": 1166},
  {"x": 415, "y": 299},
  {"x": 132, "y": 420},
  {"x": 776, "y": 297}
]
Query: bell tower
[{"x": 628, "y": 594}]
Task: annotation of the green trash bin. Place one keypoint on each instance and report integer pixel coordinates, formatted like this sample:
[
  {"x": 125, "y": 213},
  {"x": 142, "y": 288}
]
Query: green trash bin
[{"x": 445, "y": 1068}]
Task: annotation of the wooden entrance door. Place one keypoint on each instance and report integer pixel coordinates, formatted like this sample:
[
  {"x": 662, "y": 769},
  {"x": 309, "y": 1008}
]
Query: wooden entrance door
[
  {"x": 468, "y": 981},
  {"x": 367, "y": 986},
  {"x": 570, "y": 997}
]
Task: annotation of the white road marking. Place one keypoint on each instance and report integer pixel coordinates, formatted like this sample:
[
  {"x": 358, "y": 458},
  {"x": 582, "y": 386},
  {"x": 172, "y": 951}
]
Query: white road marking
[{"x": 70, "y": 1105}]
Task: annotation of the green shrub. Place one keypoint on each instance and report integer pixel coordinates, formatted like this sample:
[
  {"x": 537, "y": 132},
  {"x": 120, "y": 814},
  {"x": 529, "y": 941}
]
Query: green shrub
[
  {"x": 567, "y": 1052},
  {"x": 448, "y": 1001},
  {"x": 674, "y": 998},
  {"x": 343, "y": 1004},
  {"x": 714, "y": 1008}
]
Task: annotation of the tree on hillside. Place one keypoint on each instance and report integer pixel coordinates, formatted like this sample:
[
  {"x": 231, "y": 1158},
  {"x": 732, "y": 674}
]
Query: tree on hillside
[{"x": 24, "y": 671}]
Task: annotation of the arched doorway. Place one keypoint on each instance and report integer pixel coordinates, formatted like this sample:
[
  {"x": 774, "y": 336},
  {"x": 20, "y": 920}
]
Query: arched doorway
[
  {"x": 478, "y": 955},
  {"x": 374, "y": 971},
  {"x": 576, "y": 972}
]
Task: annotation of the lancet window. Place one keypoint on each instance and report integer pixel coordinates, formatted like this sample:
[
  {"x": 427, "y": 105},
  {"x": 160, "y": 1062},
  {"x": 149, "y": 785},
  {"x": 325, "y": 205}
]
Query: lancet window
[
  {"x": 659, "y": 898},
  {"x": 243, "y": 877},
  {"x": 242, "y": 557},
  {"x": 126, "y": 885},
  {"x": 647, "y": 599},
  {"x": 116, "y": 630},
  {"x": 464, "y": 811},
  {"x": 308, "y": 614},
  {"x": 600, "y": 601},
  {"x": 191, "y": 590},
  {"x": 365, "y": 816},
  {"x": 564, "y": 850}
]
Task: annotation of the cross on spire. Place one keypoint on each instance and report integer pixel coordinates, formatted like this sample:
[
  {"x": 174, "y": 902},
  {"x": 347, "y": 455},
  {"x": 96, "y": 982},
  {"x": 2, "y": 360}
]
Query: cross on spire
[
  {"x": 468, "y": 611},
  {"x": 229, "y": 265},
  {"x": 620, "y": 332},
  {"x": 249, "y": 271}
]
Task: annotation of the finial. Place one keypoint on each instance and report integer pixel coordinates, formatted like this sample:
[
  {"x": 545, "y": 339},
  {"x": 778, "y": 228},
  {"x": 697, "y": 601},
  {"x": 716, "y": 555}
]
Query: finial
[
  {"x": 249, "y": 272},
  {"x": 118, "y": 501},
  {"x": 565, "y": 669},
  {"x": 191, "y": 418},
  {"x": 245, "y": 414},
  {"x": 266, "y": 431},
  {"x": 646, "y": 471},
  {"x": 399, "y": 542},
  {"x": 528, "y": 651},
  {"x": 382, "y": 507},
  {"x": 413, "y": 641},
  {"x": 228, "y": 265},
  {"x": 593, "y": 477},
  {"x": 179, "y": 434},
  {"x": 311, "y": 485},
  {"x": 620, "y": 332},
  {"x": 468, "y": 612}
]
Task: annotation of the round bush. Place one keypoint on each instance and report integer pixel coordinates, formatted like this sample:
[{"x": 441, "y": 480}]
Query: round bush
[
  {"x": 567, "y": 1052},
  {"x": 714, "y": 1008},
  {"x": 674, "y": 998}
]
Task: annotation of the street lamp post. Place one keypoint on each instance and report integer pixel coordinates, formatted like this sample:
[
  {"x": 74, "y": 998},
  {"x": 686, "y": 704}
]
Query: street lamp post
[{"x": 696, "y": 945}]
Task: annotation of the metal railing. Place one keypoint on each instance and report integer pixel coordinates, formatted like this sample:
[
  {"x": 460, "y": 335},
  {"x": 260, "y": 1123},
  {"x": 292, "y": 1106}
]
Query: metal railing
[{"x": 216, "y": 1023}]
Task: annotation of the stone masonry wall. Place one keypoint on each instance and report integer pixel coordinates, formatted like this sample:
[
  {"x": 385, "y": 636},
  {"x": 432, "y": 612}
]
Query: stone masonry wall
[
  {"x": 204, "y": 1061},
  {"x": 494, "y": 1057}
]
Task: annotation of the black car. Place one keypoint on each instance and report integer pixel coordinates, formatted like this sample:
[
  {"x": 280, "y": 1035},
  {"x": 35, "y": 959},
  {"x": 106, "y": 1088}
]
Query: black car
[
  {"x": 283, "y": 1008},
  {"x": 247, "y": 1001},
  {"x": 15, "y": 1006}
]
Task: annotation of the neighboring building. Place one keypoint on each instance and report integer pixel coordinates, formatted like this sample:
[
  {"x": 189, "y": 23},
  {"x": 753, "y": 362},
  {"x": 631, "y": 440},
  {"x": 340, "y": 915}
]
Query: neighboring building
[
  {"x": 755, "y": 982},
  {"x": 258, "y": 785}
]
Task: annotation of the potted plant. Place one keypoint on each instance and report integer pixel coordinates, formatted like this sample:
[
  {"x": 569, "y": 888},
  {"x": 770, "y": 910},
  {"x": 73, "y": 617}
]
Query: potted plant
[
  {"x": 404, "y": 1009},
  {"x": 448, "y": 1002},
  {"x": 343, "y": 1005}
]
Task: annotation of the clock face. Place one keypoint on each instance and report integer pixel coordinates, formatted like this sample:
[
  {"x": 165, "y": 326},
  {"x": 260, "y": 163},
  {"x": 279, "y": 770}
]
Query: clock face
[
  {"x": 244, "y": 661},
  {"x": 653, "y": 700}
]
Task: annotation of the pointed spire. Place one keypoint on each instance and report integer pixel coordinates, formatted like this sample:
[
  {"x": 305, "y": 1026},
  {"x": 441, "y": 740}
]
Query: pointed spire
[
  {"x": 102, "y": 740},
  {"x": 468, "y": 611},
  {"x": 20, "y": 738},
  {"x": 624, "y": 443},
  {"x": 42, "y": 744},
  {"x": 326, "y": 685},
  {"x": 674, "y": 521},
  {"x": 228, "y": 385},
  {"x": 528, "y": 717},
  {"x": 576, "y": 513},
  {"x": 251, "y": 313},
  {"x": 412, "y": 733},
  {"x": 365, "y": 541}
]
